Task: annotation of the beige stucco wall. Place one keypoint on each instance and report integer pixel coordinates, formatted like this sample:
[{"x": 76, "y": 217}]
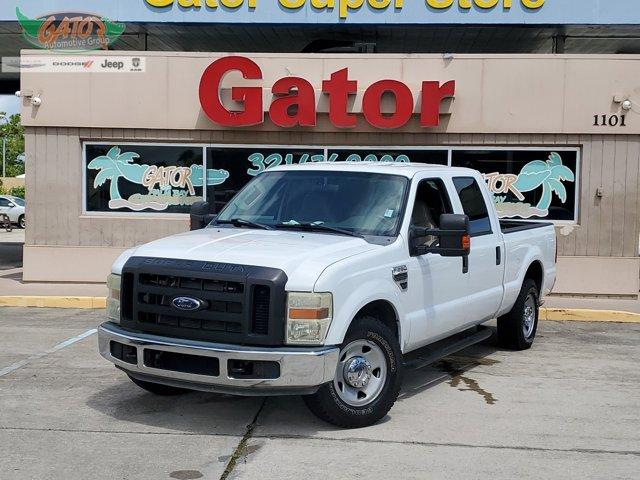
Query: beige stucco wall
[
  {"x": 505, "y": 101},
  {"x": 608, "y": 226},
  {"x": 494, "y": 94}
]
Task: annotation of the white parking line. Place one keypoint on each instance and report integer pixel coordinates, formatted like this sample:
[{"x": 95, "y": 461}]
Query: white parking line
[{"x": 15, "y": 366}]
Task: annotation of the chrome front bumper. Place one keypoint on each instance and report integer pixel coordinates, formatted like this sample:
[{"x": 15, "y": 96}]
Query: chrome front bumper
[{"x": 302, "y": 370}]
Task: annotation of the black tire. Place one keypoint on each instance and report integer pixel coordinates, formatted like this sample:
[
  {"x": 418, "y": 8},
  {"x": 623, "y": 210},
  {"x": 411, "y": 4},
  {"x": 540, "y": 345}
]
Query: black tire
[
  {"x": 326, "y": 402},
  {"x": 512, "y": 332},
  {"x": 22, "y": 222},
  {"x": 158, "y": 388}
]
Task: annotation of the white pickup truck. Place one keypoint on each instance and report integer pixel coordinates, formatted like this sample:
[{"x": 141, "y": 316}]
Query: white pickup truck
[{"x": 325, "y": 280}]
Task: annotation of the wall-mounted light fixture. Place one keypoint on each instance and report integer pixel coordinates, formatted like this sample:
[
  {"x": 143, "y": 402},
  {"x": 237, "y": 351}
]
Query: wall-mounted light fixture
[
  {"x": 623, "y": 101},
  {"x": 35, "y": 98}
]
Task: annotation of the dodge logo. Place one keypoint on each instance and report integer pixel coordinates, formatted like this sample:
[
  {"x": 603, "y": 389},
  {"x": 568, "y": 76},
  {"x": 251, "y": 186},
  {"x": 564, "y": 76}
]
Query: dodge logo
[{"x": 187, "y": 304}]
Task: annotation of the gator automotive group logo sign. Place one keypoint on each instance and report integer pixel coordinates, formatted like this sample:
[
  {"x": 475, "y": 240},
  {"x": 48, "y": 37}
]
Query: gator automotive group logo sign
[{"x": 70, "y": 31}]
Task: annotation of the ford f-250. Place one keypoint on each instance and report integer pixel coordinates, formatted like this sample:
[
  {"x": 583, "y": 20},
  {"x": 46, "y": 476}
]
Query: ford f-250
[{"x": 325, "y": 280}]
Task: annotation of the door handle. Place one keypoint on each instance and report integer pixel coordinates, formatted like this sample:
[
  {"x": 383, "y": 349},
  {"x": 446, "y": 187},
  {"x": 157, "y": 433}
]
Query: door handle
[{"x": 498, "y": 256}]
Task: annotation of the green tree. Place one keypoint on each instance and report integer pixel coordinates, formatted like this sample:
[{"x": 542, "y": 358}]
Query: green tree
[{"x": 13, "y": 131}]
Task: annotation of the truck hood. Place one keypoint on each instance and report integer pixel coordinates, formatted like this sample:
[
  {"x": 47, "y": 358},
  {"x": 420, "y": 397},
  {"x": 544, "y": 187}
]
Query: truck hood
[{"x": 303, "y": 256}]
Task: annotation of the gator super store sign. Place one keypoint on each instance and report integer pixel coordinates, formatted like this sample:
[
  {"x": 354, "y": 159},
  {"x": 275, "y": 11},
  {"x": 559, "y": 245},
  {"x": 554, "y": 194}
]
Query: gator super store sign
[
  {"x": 294, "y": 101},
  {"x": 374, "y": 12}
]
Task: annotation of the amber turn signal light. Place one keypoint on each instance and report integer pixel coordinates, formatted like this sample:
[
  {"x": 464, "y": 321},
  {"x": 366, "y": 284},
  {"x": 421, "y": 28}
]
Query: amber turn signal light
[
  {"x": 308, "y": 313},
  {"x": 466, "y": 242}
]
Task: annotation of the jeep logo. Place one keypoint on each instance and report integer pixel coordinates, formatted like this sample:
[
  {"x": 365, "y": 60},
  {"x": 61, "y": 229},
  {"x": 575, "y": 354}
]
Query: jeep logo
[
  {"x": 188, "y": 304},
  {"x": 114, "y": 65}
]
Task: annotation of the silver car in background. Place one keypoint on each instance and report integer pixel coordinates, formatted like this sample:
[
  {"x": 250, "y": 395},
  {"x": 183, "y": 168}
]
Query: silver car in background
[{"x": 14, "y": 208}]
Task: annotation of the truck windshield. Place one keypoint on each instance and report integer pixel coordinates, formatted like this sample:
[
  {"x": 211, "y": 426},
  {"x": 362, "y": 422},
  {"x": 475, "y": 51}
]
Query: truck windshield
[{"x": 358, "y": 203}]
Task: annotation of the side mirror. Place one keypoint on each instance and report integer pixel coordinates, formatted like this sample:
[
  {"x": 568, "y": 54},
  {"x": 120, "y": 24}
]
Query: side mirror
[
  {"x": 200, "y": 215},
  {"x": 453, "y": 235}
]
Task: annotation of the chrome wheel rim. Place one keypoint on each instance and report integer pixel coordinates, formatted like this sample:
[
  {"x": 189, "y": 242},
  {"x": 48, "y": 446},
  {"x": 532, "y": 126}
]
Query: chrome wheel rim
[
  {"x": 361, "y": 373},
  {"x": 529, "y": 320}
]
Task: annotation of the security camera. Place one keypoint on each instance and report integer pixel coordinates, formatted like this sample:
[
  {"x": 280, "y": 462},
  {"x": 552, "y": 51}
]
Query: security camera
[
  {"x": 627, "y": 104},
  {"x": 36, "y": 101},
  {"x": 18, "y": 94}
]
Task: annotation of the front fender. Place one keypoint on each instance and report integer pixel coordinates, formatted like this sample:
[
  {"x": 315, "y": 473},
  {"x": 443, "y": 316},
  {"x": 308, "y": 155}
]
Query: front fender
[{"x": 349, "y": 300}]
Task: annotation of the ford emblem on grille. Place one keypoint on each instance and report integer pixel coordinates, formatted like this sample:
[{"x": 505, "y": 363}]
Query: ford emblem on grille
[{"x": 187, "y": 304}]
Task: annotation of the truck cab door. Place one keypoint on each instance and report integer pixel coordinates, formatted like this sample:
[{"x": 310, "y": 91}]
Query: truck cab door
[
  {"x": 486, "y": 258},
  {"x": 436, "y": 287}
]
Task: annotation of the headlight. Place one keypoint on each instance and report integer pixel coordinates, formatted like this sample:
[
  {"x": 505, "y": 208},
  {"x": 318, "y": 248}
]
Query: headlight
[
  {"x": 113, "y": 300},
  {"x": 308, "y": 317}
]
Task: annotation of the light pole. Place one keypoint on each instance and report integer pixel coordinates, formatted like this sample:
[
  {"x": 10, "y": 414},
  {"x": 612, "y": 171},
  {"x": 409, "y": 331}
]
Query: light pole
[{"x": 4, "y": 147}]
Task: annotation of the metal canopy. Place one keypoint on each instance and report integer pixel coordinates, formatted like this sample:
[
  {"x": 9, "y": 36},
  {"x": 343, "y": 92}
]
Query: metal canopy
[{"x": 387, "y": 38}]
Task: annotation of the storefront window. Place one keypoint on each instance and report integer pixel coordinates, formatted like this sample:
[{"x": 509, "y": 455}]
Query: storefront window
[
  {"x": 243, "y": 164},
  {"x": 388, "y": 155},
  {"x": 528, "y": 183},
  {"x": 145, "y": 178}
]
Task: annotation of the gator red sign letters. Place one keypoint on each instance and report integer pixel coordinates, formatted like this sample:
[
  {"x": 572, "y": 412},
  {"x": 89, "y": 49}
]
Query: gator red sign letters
[{"x": 294, "y": 100}]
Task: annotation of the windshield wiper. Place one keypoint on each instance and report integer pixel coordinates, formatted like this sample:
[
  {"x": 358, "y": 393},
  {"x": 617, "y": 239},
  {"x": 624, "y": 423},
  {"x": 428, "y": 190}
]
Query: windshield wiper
[
  {"x": 239, "y": 222},
  {"x": 320, "y": 227}
]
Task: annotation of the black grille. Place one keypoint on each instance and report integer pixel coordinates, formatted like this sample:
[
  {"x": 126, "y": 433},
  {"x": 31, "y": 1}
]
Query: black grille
[
  {"x": 260, "y": 314},
  {"x": 223, "y": 302},
  {"x": 234, "y": 303}
]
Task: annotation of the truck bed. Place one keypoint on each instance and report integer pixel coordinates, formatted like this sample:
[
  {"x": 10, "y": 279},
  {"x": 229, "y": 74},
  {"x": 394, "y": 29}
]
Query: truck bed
[{"x": 512, "y": 226}]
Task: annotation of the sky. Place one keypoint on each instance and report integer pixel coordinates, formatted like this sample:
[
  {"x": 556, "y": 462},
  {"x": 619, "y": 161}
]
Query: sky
[{"x": 9, "y": 104}]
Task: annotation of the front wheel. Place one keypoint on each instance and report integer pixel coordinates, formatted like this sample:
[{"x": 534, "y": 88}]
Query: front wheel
[
  {"x": 517, "y": 329},
  {"x": 367, "y": 380}
]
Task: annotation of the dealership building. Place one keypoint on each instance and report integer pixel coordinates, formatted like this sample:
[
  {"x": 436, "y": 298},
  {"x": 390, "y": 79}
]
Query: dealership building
[{"x": 543, "y": 97}]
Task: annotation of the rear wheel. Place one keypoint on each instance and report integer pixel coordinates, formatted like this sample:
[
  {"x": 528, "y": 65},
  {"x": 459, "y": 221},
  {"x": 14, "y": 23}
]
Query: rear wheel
[
  {"x": 367, "y": 380},
  {"x": 158, "y": 388},
  {"x": 517, "y": 329},
  {"x": 22, "y": 222}
]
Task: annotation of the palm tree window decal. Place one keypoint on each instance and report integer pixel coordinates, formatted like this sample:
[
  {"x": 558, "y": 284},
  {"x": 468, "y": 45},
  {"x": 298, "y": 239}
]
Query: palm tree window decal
[
  {"x": 547, "y": 175},
  {"x": 166, "y": 186}
]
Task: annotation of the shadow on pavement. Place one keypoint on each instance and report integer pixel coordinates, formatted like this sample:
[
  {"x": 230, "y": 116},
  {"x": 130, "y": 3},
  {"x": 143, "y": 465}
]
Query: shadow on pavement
[
  {"x": 451, "y": 369},
  {"x": 204, "y": 413},
  {"x": 194, "y": 412}
]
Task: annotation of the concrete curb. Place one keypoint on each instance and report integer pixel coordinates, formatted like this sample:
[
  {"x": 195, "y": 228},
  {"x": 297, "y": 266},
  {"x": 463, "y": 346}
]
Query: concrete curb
[
  {"x": 546, "y": 314},
  {"x": 586, "y": 315},
  {"x": 54, "y": 302}
]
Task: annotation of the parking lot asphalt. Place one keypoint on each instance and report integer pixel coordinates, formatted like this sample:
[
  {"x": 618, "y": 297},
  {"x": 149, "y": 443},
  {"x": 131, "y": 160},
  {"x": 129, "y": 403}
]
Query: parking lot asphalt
[{"x": 569, "y": 409}]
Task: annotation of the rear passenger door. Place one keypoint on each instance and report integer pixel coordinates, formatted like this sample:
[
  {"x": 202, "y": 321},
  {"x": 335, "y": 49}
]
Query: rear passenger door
[{"x": 486, "y": 262}]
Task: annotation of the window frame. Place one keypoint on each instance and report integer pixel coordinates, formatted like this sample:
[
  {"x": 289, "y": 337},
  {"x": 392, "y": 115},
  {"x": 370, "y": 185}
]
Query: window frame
[
  {"x": 482, "y": 233},
  {"x": 142, "y": 214},
  {"x": 442, "y": 186},
  {"x": 205, "y": 146},
  {"x": 577, "y": 211},
  {"x": 404, "y": 202}
]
